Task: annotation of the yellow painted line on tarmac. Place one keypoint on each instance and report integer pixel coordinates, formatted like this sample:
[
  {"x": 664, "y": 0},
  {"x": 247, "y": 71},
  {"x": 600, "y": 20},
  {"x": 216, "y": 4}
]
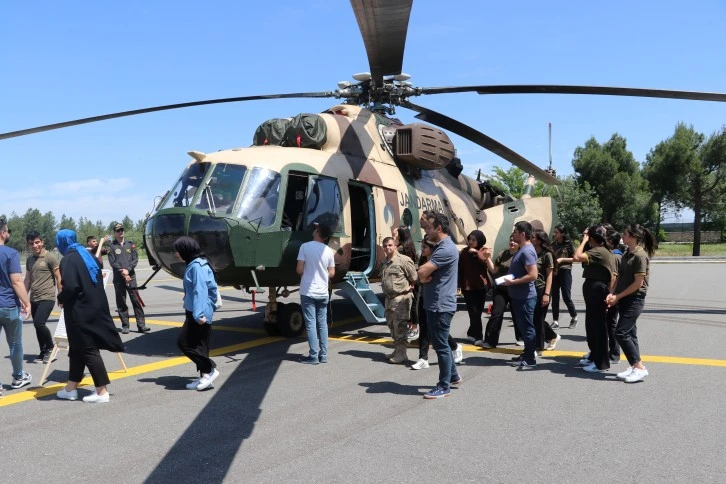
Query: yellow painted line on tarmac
[
  {"x": 677, "y": 360},
  {"x": 39, "y": 392}
]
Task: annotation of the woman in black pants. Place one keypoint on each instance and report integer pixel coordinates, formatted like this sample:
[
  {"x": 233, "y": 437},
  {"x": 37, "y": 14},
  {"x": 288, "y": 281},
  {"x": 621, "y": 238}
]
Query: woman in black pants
[
  {"x": 629, "y": 296},
  {"x": 500, "y": 297},
  {"x": 562, "y": 280},
  {"x": 545, "y": 336},
  {"x": 427, "y": 248},
  {"x": 473, "y": 283},
  {"x": 599, "y": 271}
]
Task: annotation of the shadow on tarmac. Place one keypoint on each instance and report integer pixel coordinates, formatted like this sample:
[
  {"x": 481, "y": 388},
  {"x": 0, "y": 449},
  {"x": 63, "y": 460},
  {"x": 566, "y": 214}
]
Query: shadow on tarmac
[
  {"x": 210, "y": 443},
  {"x": 394, "y": 388}
]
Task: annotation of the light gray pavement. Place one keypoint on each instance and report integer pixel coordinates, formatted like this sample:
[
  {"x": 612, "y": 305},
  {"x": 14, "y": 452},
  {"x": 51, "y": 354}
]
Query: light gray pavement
[{"x": 359, "y": 419}]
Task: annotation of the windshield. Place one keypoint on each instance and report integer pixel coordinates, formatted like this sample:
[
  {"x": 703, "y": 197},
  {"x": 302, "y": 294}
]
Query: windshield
[
  {"x": 259, "y": 203},
  {"x": 185, "y": 189},
  {"x": 224, "y": 185}
]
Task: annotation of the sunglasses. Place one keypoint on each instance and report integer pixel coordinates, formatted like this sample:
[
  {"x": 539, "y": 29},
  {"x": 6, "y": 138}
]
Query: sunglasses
[{"x": 119, "y": 230}]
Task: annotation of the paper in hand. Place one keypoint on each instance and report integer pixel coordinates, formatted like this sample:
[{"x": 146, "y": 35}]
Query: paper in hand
[{"x": 500, "y": 280}]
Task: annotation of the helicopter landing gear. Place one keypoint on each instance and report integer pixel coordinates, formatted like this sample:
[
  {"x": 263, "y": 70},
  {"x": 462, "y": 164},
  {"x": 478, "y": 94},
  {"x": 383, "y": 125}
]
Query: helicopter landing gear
[
  {"x": 290, "y": 320},
  {"x": 283, "y": 319}
]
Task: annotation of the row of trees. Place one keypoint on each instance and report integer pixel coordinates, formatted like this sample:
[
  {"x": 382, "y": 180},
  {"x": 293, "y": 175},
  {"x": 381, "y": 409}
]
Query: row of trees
[
  {"x": 686, "y": 170},
  {"x": 47, "y": 225}
]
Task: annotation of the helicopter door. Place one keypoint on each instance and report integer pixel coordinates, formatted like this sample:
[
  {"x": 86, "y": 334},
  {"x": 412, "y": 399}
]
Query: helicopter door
[
  {"x": 295, "y": 196},
  {"x": 362, "y": 228}
]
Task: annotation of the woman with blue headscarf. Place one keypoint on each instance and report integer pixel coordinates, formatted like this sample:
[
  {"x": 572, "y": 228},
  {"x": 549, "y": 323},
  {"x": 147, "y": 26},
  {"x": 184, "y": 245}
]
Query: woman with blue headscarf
[{"x": 89, "y": 324}]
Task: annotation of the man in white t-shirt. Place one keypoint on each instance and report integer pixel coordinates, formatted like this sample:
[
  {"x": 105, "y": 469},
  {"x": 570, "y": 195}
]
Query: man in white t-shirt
[{"x": 316, "y": 266}]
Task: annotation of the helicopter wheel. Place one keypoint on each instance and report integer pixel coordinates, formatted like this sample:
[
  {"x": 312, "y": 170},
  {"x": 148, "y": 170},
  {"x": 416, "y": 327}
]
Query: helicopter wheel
[
  {"x": 271, "y": 327},
  {"x": 290, "y": 320}
]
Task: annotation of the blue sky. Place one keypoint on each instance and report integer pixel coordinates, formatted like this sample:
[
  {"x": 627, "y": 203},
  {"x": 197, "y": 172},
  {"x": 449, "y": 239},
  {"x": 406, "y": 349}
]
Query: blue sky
[{"x": 67, "y": 60}]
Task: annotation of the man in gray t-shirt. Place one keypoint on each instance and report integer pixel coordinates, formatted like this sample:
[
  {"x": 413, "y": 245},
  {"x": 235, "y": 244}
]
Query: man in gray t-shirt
[{"x": 439, "y": 277}]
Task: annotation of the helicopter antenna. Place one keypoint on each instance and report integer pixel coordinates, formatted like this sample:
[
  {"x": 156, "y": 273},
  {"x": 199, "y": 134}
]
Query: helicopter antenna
[{"x": 550, "y": 167}]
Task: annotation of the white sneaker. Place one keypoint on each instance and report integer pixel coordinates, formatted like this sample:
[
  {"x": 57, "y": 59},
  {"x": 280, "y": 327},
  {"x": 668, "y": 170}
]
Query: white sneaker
[
  {"x": 555, "y": 324},
  {"x": 485, "y": 345},
  {"x": 593, "y": 369},
  {"x": 96, "y": 398},
  {"x": 585, "y": 362},
  {"x": 66, "y": 395},
  {"x": 624, "y": 374},
  {"x": 552, "y": 343},
  {"x": 193, "y": 385},
  {"x": 458, "y": 353},
  {"x": 519, "y": 342},
  {"x": 207, "y": 379},
  {"x": 636, "y": 375},
  {"x": 421, "y": 364},
  {"x": 471, "y": 339}
]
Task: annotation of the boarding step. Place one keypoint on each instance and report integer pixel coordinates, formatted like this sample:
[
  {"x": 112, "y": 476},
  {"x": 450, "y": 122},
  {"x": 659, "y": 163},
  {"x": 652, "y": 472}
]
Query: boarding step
[{"x": 358, "y": 289}]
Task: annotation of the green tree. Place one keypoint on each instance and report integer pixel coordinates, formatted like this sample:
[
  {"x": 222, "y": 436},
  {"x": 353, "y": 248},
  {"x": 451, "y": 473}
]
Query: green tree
[
  {"x": 667, "y": 158},
  {"x": 513, "y": 180},
  {"x": 577, "y": 206},
  {"x": 614, "y": 174},
  {"x": 68, "y": 223},
  {"x": 696, "y": 168}
]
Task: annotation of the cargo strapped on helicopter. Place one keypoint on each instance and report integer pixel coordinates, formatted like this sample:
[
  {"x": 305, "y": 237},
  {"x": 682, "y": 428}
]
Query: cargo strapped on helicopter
[{"x": 303, "y": 131}]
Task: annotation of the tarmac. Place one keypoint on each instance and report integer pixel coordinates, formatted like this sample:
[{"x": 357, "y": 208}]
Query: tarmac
[{"x": 360, "y": 419}]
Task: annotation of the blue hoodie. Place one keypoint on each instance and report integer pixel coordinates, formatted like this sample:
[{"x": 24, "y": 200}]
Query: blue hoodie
[{"x": 200, "y": 290}]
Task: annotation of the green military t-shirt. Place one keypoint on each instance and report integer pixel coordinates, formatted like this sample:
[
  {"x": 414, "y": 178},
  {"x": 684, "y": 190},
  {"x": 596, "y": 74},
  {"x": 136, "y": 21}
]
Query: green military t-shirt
[
  {"x": 633, "y": 263},
  {"x": 600, "y": 265},
  {"x": 502, "y": 263},
  {"x": 42, "y": 285},
  {"x": 544, "y": 261}
]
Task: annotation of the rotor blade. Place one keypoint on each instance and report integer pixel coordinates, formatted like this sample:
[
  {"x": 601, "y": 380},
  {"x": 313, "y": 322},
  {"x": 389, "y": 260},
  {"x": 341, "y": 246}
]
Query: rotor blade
[
  {"x": 597, "y": 90},
  {"x": 383, "y": 25},
  {"x": 66, "y": 124},
  {"x": 482, "y": 140}
]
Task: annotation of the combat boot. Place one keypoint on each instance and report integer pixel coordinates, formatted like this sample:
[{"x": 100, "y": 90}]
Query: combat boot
[
  {"x": 400, "y": 354},
  {"x": 124, "y": 317}
]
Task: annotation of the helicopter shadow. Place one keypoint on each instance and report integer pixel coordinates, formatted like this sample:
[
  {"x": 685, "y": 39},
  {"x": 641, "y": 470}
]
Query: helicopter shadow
[{"x": 187, "y": 457}]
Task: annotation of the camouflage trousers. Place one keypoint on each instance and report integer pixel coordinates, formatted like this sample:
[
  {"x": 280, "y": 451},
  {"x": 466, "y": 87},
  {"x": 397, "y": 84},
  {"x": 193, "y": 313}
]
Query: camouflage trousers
[{"x": 398, "y": 314}]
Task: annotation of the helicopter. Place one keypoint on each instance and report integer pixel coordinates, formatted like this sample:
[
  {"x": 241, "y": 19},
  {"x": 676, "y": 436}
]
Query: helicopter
[{"x": 354, "y": 166}]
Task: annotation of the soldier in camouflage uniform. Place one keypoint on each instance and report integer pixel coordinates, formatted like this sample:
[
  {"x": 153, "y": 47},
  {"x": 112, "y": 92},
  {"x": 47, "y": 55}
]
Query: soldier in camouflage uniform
[{"x": 398, "y": 277}]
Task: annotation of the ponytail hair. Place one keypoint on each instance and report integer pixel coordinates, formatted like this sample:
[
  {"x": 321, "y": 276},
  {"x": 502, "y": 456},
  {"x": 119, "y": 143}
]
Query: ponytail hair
[
  {"x": 643, "y": 236},
  {"x": 598, "y": 233}
]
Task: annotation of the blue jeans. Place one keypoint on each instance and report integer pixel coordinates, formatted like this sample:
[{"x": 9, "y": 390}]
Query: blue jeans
[
  {"x": 315, "y": 312},
  {"x": 523, "y": 310},
  {"x": 439, "y": 326},
  {"x": 13, "y": 326}
]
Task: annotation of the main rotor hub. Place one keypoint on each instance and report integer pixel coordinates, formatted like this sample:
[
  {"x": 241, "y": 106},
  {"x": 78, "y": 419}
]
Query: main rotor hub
[{"x": 383, "y": 98}]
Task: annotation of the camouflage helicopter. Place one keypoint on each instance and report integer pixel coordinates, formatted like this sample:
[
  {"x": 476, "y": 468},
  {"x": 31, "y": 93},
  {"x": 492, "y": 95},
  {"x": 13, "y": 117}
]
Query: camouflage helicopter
[{"x": 353, "y": 166}]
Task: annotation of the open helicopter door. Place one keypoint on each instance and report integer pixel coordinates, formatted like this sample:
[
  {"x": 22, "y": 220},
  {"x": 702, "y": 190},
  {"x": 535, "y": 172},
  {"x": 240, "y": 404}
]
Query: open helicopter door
[{"x": 362, "y": 228}]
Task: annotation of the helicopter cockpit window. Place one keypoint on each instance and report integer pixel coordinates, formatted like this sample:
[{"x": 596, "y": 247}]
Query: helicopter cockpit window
[
  {"x": 185, "y": 189},
  {"x": 259, "y": 202},
  {"x": 224, "y": 185},
  {"x": 324, "y": 204}
]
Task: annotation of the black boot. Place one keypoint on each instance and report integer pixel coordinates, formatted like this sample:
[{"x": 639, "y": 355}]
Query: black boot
[
  {"x": 142, "y": 327},
  {"x": 124, "y": 317}
]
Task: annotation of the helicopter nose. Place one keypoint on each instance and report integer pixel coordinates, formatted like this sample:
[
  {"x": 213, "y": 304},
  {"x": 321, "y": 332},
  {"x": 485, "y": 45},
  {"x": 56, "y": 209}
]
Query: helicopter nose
[{"x": 164, "y": 228}]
